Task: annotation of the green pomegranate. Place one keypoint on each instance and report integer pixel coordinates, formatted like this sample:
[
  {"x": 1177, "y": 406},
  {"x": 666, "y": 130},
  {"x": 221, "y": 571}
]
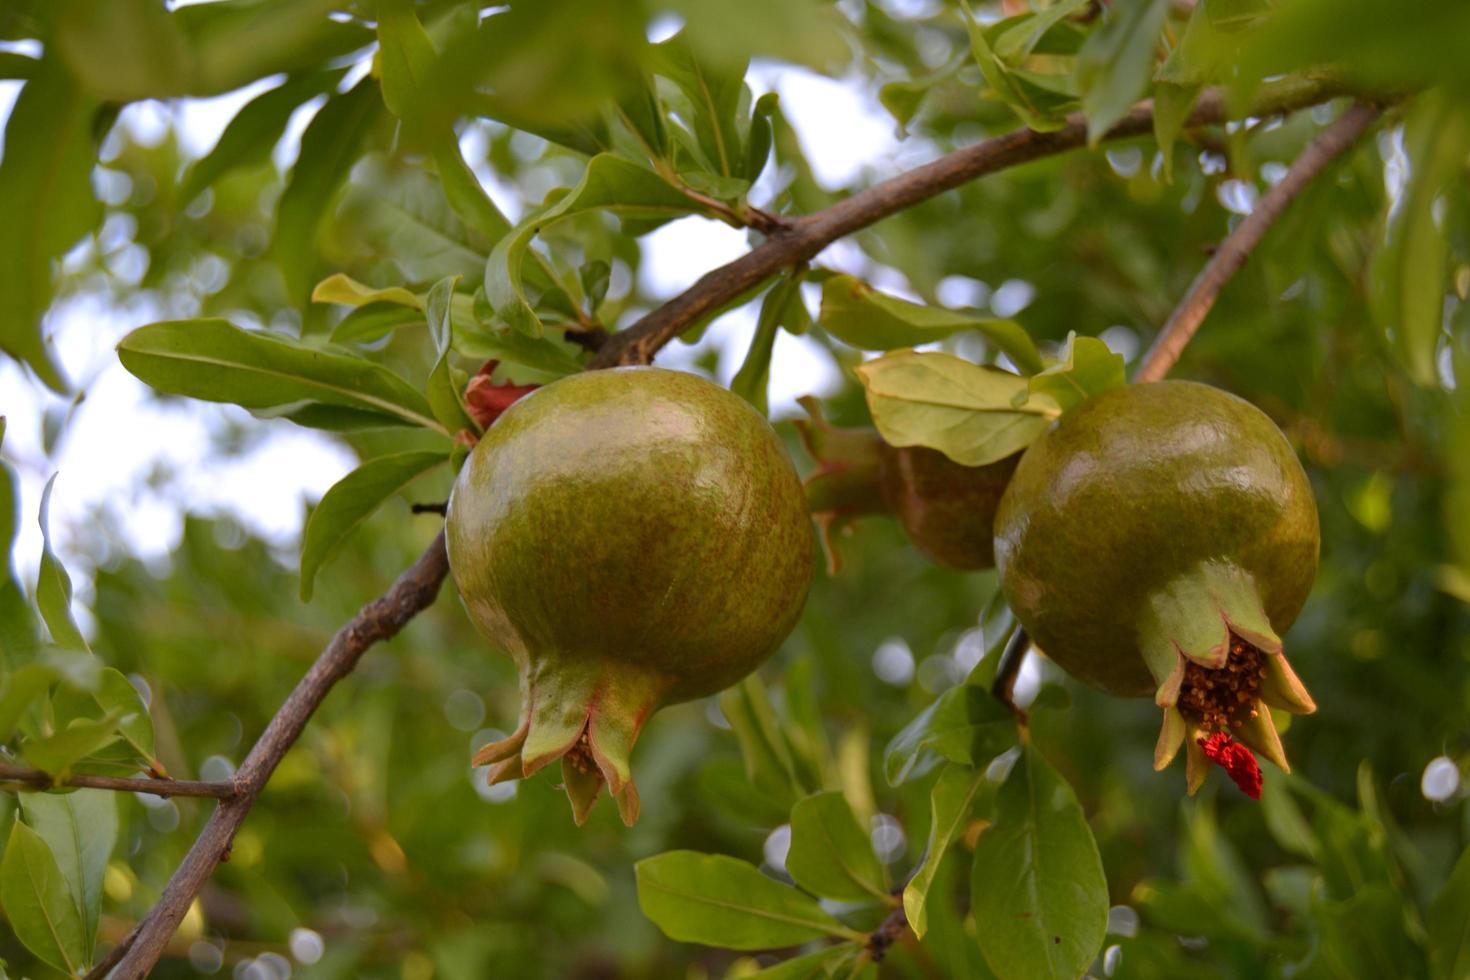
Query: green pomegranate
[
  {"x": 632, "y": 538},
  {"x": 946, "y": 509},
  {"x": 1159, "y": 539}
]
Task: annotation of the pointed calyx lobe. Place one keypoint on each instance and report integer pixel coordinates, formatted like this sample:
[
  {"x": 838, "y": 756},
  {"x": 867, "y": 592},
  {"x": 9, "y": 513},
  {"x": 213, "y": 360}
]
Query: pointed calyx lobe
[
  {"x": 631, "y": 538},
  {"x": 1157, "y": 541},
  {"x": 946, "y": 509}
]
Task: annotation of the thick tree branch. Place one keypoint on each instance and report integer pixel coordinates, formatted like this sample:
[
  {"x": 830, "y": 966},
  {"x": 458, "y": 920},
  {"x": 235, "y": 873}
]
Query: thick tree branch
[
  {"x": 379, "y": 620},
  {"x": 1237, "y": 247},
  {"x": 809, "y": 235},
  {"x": 38, "y": 780}
]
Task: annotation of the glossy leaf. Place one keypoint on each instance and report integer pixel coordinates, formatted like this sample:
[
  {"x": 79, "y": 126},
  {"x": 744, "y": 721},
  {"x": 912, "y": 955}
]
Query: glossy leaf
[
  {"x": 720, "y": 901},
  {"x": 1086, "y": 368},
  {"x": 38, "y": 904},
  {"x": 1114, "y": 66},
  {"x": 1449, "y": 924},
  {"x": 53, "y": 587},
  {"x": 965, "y": 411},
  {"x": 609, "y": 184},
  {"x": 46, "y": 198},
  {"x": 352, "y": 500},
  {"x": 951, "y": 802},
  {"x": 964, "y": 724},
  {"x": 830, "y": 854},
  {"x": 80, "y": 829},
  {"x": 213, "y": 360},
  {"x": 1037, "y": 889},
  {"x": 857, "y": 314}
]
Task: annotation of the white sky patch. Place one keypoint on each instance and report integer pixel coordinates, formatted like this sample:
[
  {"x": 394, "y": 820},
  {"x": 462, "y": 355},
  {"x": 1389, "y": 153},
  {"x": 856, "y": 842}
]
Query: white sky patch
[{"x": 842, "y": 127}]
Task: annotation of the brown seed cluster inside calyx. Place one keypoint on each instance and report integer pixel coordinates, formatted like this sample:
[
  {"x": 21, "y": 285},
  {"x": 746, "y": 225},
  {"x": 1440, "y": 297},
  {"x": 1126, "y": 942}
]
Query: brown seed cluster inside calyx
[
  {"x": 580, "y": 756},
  {"x": 1224, "y": 698}
]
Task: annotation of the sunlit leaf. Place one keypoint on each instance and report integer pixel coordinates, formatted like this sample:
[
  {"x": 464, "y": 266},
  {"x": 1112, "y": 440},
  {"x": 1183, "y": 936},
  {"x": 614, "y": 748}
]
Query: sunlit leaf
[
  {"x": 1086, "y": 368},
  {"x": 858, "y": 314},
  {"x": 965, "y": 411},
  {"x": 345, "y": 290}
]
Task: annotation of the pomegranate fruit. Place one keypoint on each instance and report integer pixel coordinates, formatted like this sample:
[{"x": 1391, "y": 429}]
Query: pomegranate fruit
[{"x": 631, "y": 537}]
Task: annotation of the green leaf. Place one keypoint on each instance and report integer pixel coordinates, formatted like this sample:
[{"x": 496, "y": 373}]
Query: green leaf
[
  {"x": 350, "y": 501},
  {"x": 1449, "y": 924},
  {"x": 404, "y": 214},
  {"x": 80, "y": 829},
  {"x": 720, "y": 901},
  {"x": 1086, "y": 368},
  {"x": 806, "y": 32},
  {"x": 17, "y": 67},
  {"x": 713, "y": 92},
  {"x": 112, "y": 695},
  {"x": 124, "y": 50},
  {"x": 406, "y": 55},
  {"x": 1017, "y": 42},
  {"x": 857, "y": 314},
  {"x": 38, "y": 904},
  {"x": 53, "y": 587},
  {"x": 1410, "y": 268},
  {"x": 831, "y": 855},
  {"x": 964, "y": 724},
  {"x": 1172, "y": 106},
  {"x": 610, "y": 184},
  {"x": 950, "y": 804},
  {"x": 329, "y": 146},
  {"x": 46, "y": 198},
  {"x": 255, "y": 130},
  {"x": 22, "y": 688},
  {"x": 810, "y": 966},
  {"x": 1037, "y": 889},
  {"x": 58, "y": 752},
  {"x": 768, "y": 760},
  {"x": 371, "y": 323},
  {"x": 18, "y": 640},
  {"x": 215, "y": 361},
  {"x": 443, "y": 393},
  {"x": 965, "y": 411},
  {"x": 754, "y": 376},
  {"x": 236, "y": 43},
  {"x": 1041, "y": 115},
  {"x": 346, "y": 291},
  {"x": 1114, "y": 66}
]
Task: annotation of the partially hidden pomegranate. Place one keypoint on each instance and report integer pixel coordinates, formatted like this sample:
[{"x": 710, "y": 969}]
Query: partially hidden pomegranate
[
  {"x": 946, "y": 509},
  {"x": 1158, "y": 539},
  {"x": 632, "y": 538}
]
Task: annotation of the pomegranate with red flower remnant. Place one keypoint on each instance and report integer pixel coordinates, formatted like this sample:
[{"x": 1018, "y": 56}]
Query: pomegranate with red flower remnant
[
  {"x": 1159, "y": 539},
  {"x": 632, "y": 538}
]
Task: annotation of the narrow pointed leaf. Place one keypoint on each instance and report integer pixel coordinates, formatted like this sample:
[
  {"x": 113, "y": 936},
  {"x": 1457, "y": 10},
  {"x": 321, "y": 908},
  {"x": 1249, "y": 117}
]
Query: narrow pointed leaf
[
  {"x": 351, "y": 501},
  {"x": 53, "y": 588},
  {"x": 213, "y": 360},
  {"x": 951, "y": 802}
]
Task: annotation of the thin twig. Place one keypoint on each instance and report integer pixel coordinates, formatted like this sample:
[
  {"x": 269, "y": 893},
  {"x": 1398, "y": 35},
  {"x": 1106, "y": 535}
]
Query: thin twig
[
  {"x": 807, "y": 236},
  {"x": 1237, "y": 247},
  {"x": 379, "y": 620},
  {"x": 36, "y": 779}
]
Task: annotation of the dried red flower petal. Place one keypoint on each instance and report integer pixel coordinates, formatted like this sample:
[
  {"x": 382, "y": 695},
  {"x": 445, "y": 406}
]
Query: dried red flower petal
[
  {"x": 1237, "y": 761},
  {"x": 485, "y": 400}
]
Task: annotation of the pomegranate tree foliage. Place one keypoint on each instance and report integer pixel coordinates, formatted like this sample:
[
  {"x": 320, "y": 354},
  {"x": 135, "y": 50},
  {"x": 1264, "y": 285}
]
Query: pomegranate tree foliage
[{"x": 357, "y": 291}]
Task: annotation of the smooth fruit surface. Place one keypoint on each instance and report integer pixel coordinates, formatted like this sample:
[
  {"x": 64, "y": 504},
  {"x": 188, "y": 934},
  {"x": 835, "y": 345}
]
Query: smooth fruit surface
[
  {"x": 632, "y": 537},
  {"x": 947, "y": 510},
  {"x": 1132, "y": 491}
]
